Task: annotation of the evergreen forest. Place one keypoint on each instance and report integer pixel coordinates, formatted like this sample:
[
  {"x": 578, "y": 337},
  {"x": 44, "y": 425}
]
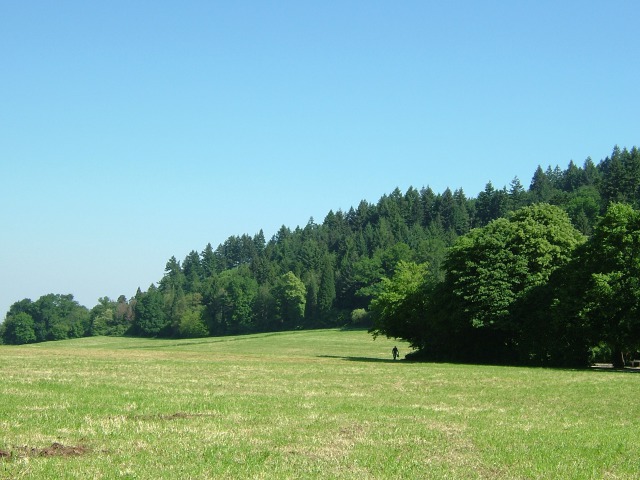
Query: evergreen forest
[{"x": 546, "y": 274}]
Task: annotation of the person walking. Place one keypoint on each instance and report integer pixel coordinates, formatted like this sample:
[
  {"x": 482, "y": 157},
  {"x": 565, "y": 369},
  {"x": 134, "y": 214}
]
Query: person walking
[{"x": 395, "y": 352}]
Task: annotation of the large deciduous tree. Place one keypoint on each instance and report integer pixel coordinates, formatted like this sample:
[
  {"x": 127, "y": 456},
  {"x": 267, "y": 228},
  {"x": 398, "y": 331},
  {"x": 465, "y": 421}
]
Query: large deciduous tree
[
  {"x": 398, "y": 308},
  {"x": 18, "y": 329},
  {"x": 291, "y": 296},
  {"x": 492, "y": 269},
  {"x": 611, "y": 263}
]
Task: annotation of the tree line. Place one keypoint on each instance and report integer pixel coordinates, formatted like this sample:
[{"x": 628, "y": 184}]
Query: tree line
[{"x": 334, "y": 273}]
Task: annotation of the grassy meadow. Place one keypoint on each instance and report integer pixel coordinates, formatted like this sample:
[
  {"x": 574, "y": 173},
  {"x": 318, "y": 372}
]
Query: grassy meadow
[{"x": 311, "y": 404}]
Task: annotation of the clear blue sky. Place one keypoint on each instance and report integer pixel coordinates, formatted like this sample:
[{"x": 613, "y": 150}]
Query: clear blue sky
[{"x": 131, "y": 131}]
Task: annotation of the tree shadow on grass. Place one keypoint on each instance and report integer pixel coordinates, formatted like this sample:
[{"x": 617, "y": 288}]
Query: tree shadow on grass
[
  {"x": 361, "y": 359},
  {"x": 611, "y": 369}
]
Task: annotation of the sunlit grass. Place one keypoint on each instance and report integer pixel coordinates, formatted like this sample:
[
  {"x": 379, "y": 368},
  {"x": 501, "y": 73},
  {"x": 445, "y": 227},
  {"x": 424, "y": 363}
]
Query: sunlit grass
[{"x": 313, "y": 404}]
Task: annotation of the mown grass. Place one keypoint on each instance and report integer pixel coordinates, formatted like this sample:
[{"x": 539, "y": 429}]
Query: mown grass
[{"x": 313, "y": 404}]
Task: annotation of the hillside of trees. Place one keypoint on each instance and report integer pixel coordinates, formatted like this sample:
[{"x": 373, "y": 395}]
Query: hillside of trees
[{"x": 492, "y": 278}]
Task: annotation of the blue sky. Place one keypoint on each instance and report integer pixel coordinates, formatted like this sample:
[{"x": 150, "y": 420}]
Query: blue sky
[{"x": 134, "y": 131}]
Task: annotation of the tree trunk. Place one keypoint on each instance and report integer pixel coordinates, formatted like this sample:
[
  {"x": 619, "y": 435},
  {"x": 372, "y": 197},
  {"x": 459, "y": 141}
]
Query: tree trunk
[{"x": 617, "y": 358}]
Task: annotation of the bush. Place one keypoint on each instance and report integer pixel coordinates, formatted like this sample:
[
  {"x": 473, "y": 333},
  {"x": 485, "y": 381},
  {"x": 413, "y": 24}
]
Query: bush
[{"x": 360, "y": 318}]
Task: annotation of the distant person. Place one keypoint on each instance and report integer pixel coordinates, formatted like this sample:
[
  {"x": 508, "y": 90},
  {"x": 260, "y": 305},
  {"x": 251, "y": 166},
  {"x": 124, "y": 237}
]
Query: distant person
[{"x": 395, "y": 352}]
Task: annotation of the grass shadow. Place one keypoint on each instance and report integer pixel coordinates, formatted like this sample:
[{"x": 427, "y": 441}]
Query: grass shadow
[
  {"x": 361, "y": 359},
  {"x": 611, "y": 369}
]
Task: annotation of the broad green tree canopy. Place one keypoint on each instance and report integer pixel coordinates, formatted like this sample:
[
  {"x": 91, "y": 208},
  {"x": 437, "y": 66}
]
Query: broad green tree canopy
[
  {"x": 490, "y": 268},
  {"x": 611, "y": 260}
]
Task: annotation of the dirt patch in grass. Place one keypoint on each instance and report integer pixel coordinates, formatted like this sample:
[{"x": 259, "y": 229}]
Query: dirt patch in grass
[
  {"x": 177, "y": 415},
  {"x": 172, "y": 416},
  {"x": 55, "y": 450},
  {"x": 59, "y": 450}
]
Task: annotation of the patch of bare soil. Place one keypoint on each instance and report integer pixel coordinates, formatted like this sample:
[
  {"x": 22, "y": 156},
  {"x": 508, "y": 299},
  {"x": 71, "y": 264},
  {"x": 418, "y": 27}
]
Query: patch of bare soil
[
  {"x": 175, "y": 416},
  {"x": 55, "y": 450},
  {"x": 59, "y": 450},
  {"x": 172, "y": 416}
]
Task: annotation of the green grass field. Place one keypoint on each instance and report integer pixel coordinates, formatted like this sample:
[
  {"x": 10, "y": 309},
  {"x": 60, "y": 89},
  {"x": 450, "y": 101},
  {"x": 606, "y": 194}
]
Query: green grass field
[{"x": 312, "y": 404}]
